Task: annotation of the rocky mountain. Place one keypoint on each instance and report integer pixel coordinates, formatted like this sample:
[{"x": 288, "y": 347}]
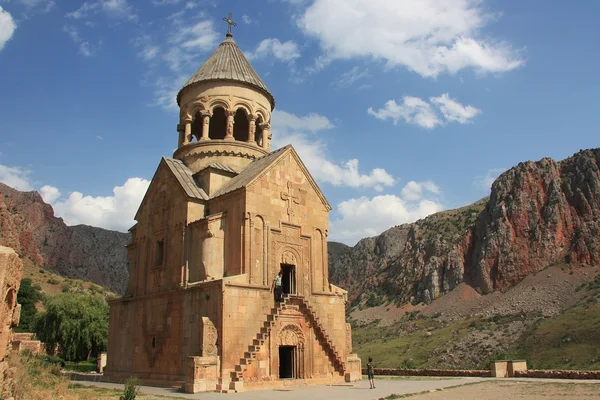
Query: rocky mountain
[
  {"x": 28, "y": 225},
  {"x": 538, "y": 214}
]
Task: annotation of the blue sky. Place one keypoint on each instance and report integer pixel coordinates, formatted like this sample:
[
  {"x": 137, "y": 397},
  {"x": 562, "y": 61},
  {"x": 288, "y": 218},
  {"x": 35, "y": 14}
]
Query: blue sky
[{"x": 399, "y": 108}]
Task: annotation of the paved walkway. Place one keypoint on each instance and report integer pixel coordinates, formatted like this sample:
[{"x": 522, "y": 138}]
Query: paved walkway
[{"x": 354, "y": 391}]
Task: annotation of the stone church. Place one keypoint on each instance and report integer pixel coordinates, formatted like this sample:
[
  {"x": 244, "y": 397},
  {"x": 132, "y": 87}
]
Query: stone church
[{"x": 217, "y": 224}]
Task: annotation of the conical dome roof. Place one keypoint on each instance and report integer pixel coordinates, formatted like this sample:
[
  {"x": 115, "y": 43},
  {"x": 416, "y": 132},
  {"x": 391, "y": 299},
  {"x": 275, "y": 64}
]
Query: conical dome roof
[{"x": 228, "y": 63}]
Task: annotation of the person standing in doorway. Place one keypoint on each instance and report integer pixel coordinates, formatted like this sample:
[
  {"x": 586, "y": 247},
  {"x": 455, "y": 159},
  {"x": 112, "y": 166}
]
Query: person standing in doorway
[
  {"x": 370, "y": 373},
  {"x": 277, "y": 285}
]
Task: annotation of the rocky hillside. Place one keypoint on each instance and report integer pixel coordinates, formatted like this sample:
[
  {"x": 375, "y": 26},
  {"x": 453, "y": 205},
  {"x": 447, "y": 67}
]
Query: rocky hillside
[
  {"x": 29, "y": 226},
  {"x": 538, "y": 214}
]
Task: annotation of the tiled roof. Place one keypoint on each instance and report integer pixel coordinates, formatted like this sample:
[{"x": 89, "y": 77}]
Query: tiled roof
[
  {"x": 185, "y": 178},
  {"x": 222, "y": 167},
  {"x": 250, "y": 172},
  {"x": 228, "y": 63}
]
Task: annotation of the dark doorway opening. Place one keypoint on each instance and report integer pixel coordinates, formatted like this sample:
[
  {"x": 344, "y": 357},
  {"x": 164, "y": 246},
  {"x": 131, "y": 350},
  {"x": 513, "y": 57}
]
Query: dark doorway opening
[
  {"x": 288, "y": 280},
  {"x": 287, "y": 355}
]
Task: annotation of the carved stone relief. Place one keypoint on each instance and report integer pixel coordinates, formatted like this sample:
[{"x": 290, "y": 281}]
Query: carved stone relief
[
  {"x": 290, "y": 335},
  {"x": 208, "y": 342}
]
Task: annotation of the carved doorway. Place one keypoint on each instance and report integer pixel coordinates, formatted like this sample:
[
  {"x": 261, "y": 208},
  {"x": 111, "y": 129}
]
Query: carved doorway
[
  {"x": 288, "y": 362},
  {"x": 288, "y": 281}
]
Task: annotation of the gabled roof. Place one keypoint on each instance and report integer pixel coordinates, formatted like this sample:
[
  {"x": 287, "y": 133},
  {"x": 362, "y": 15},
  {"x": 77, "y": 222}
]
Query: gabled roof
[
  {"x": 228, "y": 63},
  {"x": 185, "y": 178},
  {"x": 250, "y": 172},
  {"x": 183, "y": 175},
  {"x": 219, "y": 166},
  {"x": 257, "y": 168}
]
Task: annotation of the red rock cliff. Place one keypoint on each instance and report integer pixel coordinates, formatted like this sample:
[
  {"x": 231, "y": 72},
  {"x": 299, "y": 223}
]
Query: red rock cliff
[
  {"x": 29, "y": 226},
  {"x": 538, "y": 214}
]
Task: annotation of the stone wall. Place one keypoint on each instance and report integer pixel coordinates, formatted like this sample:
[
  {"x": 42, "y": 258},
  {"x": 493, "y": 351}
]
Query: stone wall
[
  {"x": 151, "y": 337},
  {"x": 430, "y": 372},
  {"x": 11, "y": 271},
  {"x": 558, "y": 374}
]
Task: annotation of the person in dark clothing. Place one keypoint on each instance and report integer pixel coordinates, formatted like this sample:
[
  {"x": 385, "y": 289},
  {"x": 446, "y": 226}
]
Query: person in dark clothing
[
  {"x": 278, "y": 287},
  {"x": 370, "y": 373}
]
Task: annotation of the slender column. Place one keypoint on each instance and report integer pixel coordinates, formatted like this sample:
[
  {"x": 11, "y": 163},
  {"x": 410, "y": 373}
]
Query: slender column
[
  {"x": 229, "y": 132},
  {"x": 205, "y": 124},
  {"x": 187, "y": 135},
  {"x": 266, "y": 136},
  {"x": 252, "y": 128},
  {"x": 181, "y": 131},
  {"x": 325, "y": 262}
]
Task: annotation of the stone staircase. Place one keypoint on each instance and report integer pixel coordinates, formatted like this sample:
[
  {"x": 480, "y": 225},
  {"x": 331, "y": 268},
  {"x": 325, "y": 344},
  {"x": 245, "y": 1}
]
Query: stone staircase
[{"x": 235, "y": 382}]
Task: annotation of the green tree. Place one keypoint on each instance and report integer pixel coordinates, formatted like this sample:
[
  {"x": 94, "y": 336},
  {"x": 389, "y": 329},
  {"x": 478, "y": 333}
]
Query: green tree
[
  {"x": 77, "y": 322},
  {"x": 27, "y": 297}
]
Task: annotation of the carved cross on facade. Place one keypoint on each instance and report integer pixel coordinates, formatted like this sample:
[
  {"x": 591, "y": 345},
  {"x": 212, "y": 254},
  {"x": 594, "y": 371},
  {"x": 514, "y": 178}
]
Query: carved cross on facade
[
  {"x": 230, "y": 22},
  {"x": 290, "y": 198}
]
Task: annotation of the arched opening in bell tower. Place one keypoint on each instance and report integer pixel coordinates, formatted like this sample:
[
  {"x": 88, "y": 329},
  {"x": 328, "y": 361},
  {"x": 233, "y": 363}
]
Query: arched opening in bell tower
[
  {"x": 196, "y": 127},
  {"x": 241, "y": 125},
  {"x": 218, "y": 124}
]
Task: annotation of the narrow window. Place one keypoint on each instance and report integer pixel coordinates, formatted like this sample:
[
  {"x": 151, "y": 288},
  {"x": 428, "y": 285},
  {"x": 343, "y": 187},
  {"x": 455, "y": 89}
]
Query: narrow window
[{"x": 160, "y": 252}]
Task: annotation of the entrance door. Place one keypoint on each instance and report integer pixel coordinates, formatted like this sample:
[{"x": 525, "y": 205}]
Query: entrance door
[
  {"x": 287, "y": 362},
  {"x": 288, "y": 281}
]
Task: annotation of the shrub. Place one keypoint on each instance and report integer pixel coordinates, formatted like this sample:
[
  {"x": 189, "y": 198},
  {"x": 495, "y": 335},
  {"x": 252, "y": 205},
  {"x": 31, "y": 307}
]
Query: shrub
[{"x": 131, "y": 389}]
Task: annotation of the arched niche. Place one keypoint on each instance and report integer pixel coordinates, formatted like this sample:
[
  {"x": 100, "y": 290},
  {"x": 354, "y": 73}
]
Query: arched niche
[
  {"x": 218, "y": 124},
  {"x": 318, "y": 275},
  {"x": 241, "y": 125},
  {"x": 257, "y": 262}
]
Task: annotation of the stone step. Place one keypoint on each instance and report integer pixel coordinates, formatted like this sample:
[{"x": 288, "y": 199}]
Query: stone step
[{"x": 236, "y": 386}]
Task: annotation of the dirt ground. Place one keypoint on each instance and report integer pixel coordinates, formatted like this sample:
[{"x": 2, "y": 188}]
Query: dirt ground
[{"x": 515, "y": 390}]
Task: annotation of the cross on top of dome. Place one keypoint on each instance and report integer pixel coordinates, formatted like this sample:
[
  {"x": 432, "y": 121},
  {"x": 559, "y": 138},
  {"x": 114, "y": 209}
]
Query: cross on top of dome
[{"x": 230, "y": 22}]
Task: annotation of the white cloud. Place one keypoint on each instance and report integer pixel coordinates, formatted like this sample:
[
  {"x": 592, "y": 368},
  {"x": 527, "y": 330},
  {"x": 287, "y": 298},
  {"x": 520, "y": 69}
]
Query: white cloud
[
  {"x": 200, "y": 36},
  {"x": 182, "y": 52},
  {"x": 348, "y": 78},
  {"x": 49, "y": 193},
  {"x": 114, "y": 8},
  {"x": 7, "y": 27},
  {"x": 165, "y": 92},
  {"x": 114, "y": 212},
  {"x": 15, "y": 177},
  {"x": 165, "y": 2},
  {"x": 485, "y": 182},
  {"x": 362, "y": 217},
  {"x": 286, "y": 51},
  {"x": 414, "y": 191},
  {"x": 453, "y": 110},
  {"x": 246, "y": 19},
  {"x": 43, "y": 6},
  {"x": 311, "y": 122},
  {"x": 84, "y": 46},
  {"x": 429, "y": 37},
  {"x": 300, "y": 132},
  {"x": 414, "y": 110}
]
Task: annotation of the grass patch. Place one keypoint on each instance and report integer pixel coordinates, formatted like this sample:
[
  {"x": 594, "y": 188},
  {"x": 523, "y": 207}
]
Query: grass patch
[
  {"x": 390, "y": 349},
  {"x": 567, "y": 341}
]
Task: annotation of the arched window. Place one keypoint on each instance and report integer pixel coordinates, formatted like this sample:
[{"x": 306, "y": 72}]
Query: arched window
[
  {"x": 196, "y": 127},
  {"x": 258, "y": 133},
  {"x": 218, "y": 124},
  {"x": 241, "y": 125}
]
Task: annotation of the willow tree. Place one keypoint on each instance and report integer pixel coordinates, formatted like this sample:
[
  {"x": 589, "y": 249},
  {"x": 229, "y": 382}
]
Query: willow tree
[{"x": 77, "y": 323}]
